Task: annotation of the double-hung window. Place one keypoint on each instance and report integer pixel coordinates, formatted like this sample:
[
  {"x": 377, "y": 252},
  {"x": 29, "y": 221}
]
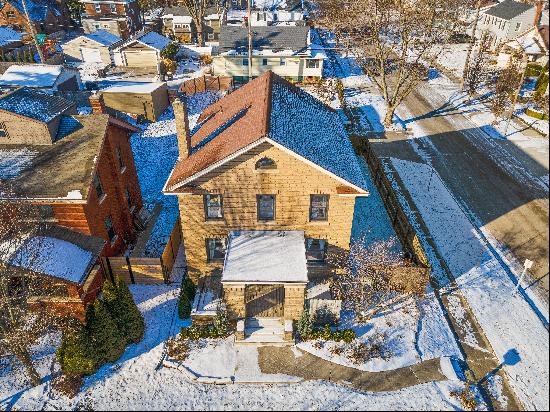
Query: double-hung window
[
  {"x": 109, "y": 228},
  {"x": 213, "y": 207},
  {"x": 98, "y": 187},
  {"x": 318, "y": 207},
  {"x": 215, "y": 249},
  {"x": 266, "y": 207}
]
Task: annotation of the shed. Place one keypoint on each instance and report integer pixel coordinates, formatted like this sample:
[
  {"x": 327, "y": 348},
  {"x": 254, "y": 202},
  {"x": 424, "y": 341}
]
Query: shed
[
  {"x": 146, "y": 99},
  {"x": 142, "y": 50},
  {"x": 96, "y": 47}
]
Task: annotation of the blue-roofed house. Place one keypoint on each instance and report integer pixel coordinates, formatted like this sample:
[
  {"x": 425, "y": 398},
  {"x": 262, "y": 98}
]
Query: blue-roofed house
[
  {"x": 141, "y": 51},
  {"x": 96, "y": 47},
  {"x": 47, "y": 16},
  {"x": 267, "y": 183}
]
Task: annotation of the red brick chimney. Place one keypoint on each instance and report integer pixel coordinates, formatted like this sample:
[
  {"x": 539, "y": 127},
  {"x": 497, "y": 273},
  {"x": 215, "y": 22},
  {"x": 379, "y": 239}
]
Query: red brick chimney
[
  {"x": 538, "y": 12},
  {"x": 182, "y": 128},
  {"x": 97, "y": 103}
]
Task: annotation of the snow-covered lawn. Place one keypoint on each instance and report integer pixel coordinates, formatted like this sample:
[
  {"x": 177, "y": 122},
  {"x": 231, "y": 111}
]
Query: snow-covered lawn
[
  {"x": 135, "y": 381},
  {"x": 508, "y": 321},
  {"x": 414, "y": 332},
  {"x": 453, "y": 58}
]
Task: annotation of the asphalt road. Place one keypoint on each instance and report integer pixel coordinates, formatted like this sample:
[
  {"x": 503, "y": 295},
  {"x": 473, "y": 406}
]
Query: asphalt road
[{"x": 497, "y": 181}]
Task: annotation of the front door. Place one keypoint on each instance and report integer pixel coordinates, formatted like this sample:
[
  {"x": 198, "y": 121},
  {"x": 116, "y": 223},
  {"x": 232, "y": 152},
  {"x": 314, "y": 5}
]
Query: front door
[{"x": 264, "y": 301}]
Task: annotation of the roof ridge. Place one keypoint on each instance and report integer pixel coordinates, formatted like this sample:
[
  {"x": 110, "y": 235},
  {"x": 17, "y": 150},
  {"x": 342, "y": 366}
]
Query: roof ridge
[{"x": 269, "y": 85}]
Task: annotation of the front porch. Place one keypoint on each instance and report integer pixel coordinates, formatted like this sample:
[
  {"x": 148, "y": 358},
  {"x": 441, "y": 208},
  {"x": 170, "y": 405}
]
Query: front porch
[{"x": 264, "y": 280}]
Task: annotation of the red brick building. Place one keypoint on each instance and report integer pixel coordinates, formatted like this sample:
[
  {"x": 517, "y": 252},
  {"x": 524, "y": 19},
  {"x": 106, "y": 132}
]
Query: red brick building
[
  {"x": 121, "y": 17},
  {"x": 78, "y": 170},
  {"x": 48, "y": 16}
]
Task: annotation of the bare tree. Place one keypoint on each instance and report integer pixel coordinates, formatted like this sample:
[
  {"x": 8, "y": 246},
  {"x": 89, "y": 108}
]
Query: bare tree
[
  {"x": 394, "y": 41},
  {"x": 477, "y": 71},
  {"x": 369, "y": 277},
  {"x": 197, "y": 9},
  {"x": 19, "y": 326},
  {"x": 506, "y": 83},
  {"x": 471, "y": 45}
]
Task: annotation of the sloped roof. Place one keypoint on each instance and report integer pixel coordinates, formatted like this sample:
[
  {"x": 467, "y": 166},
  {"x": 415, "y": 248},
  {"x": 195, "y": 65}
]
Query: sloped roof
[
  {"x": 508, "y": 9},
  {"x": 33, "y": 104},
  {"x": 8, "y": 36},
  {"x": 103, "y": 37},
  {"x": 31, "y": 75},
  {"x": 270, "y": 107},
  {"x": 154, "y": 40},
  {"x": 531, "y": 41},
  {"x": 38, "y": 9},
  {"x": 183, "y": 11},
  {"x": 293, "y": 38},
  {"x": 63, "y": 170}
]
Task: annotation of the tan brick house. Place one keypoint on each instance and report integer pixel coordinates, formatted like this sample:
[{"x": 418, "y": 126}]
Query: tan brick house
[{"x": 266, "y": 184}]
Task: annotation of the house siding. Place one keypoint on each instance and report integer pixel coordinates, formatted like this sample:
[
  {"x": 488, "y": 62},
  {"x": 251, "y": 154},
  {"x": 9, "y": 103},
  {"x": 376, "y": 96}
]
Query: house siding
[
  {"x": 503, "y": 30},
  {"x": 292, "y": 182},
  {"x": 71, "y": 49}
]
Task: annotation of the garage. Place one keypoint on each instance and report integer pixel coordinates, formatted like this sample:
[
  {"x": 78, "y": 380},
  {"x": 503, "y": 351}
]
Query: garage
[
  {"x": 140, "y": 58},
  {"x": 90, "y": 55}
]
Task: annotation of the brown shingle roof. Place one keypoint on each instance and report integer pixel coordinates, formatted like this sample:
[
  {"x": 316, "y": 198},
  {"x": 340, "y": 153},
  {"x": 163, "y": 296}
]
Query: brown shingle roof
[{"x": 252, "y": 102}]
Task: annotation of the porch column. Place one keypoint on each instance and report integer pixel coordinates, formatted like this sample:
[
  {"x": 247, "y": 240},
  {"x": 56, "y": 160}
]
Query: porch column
[
  {"x": 294, "y": 300},
  {"x": 233, "y": 296}
]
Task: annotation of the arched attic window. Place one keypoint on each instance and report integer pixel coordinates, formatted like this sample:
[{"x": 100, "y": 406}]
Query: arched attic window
[{"x": 265, "y": 163}]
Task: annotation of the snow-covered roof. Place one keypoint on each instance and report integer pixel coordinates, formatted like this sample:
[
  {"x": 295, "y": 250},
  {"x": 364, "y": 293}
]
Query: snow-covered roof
[
  {"x": 265, "y": 256},
  {"x": 153, "y": 40},
  {"x": 33, "y": 104},
  {"x": 530, "y": 41},
  {"x": 182, "y": 19},
  {"x": 8, "y": 36},
  {"x": 133, "y": 87},
  {"x": 103, "y": 37},
  {"x": 31, "y": 75}
]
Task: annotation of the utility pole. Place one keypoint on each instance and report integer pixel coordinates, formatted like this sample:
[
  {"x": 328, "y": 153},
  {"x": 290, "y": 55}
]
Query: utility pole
[
  {"x": 249, "y": 40},
  {"x": 33, "y": 32}
]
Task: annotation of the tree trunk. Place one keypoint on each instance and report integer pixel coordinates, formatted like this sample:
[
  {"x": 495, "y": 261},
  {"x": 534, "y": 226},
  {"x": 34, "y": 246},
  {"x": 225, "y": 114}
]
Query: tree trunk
[
  {"x": 470, "y": 47},
  {"x": 200, "y": 34},
  {"x": 26, "y": 360},
  {"x": 388, "y": 119}
]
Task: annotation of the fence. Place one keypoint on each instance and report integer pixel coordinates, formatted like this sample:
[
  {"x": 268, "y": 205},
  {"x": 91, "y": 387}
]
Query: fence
[
  {"x": 147, "y": 270},
  {"x": 400, "y": 222},
  {"x": 204, "y": 83}
]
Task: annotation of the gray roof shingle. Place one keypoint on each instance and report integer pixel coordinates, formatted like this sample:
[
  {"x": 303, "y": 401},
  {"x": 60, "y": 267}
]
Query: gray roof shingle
[
  {"x": 508, "y": 9},
  {"x": 264, "y": 37}
]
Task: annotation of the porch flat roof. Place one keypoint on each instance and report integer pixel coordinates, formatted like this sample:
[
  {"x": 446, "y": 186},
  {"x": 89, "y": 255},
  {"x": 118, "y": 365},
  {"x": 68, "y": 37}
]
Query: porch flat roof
[{"x": 265, "y": 257}]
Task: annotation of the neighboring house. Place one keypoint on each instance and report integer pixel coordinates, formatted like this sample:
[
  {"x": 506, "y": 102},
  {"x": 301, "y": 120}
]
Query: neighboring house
[
  {"x": 47, "y": 16},
  {"x": 10, "y": 39},
  {"x": 96, "y": 47},
  {"x": 79, "y": 169},
  {"x": 147, "y": 100},
  {"x": 142, "y": 50},
  {"x": 270, "y": 13},
  {"x": 48, "y": 78},
  {"x": 508, "y": 19},
  {"x": 533, "y": 42},
  {"x": 56, "y": 269},
  {"x": 177, "y": 22},
  {"x": 120, "y": 17},
  {"x": 286, "y": 50},
  {"x": 266, "y": 185}
]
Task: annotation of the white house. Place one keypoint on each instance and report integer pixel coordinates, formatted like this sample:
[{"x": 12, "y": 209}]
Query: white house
[
  {"x": 285, "y": 50},
  {"x": 533, "y": 42},
  {"x": 508, "y": 19},
  {"x": 46, "y": 77}
]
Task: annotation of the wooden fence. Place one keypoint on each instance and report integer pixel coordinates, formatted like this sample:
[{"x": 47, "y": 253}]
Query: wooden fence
[
  {"x": 145, "y": 270},
  {"x": 400, "y": 222},
  {"x": 204, "y": 83}
]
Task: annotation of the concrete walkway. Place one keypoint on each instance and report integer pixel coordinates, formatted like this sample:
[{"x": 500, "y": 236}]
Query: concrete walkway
[{"x": 284, "y": 360}]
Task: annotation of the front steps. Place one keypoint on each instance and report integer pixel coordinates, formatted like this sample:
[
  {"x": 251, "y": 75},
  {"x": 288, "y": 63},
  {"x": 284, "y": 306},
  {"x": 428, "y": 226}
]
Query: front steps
[{"x": 268, "y": 331}]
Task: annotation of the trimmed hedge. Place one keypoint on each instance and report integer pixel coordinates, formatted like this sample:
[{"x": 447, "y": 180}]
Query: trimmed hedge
[
  {"x": 536, "y": 115},
  {"x": 326, "y": 333}
]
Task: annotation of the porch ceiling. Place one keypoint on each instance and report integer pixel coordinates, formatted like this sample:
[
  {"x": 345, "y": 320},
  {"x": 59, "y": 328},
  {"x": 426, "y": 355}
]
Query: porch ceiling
[{"x": 265, "y": 257}]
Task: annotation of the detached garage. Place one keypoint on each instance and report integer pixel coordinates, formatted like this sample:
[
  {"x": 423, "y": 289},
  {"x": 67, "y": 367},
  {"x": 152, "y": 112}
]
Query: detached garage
[
  {"x": 142, "y": 51},
  {"x": 141, "y": 99},
  {"x": 96, "y": 47}
]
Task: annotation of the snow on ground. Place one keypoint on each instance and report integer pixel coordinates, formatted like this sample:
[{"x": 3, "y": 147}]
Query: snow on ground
[
  {"x": 516, "y": 334},
  {"x": 414, "y": 331},
  {"x": 134, "y": 382},
  {"x": 453, "y": 58},
  {"x": 213, "y": 358},
  {"x": 155, "y": 151}
]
